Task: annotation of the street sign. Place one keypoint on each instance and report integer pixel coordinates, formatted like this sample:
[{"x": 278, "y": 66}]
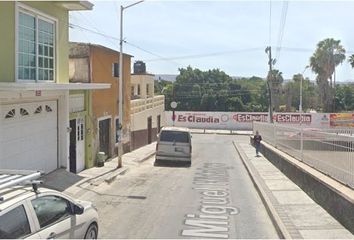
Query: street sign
[{"x": 173, "y": 105}]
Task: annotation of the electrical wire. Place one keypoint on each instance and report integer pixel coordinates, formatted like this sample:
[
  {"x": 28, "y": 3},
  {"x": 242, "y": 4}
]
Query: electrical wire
[
  {"x": 270, "y": 23},
  {"x": 281, "y": 29},
  {"x": 207, "y": 54},
  {"x": 128, "y": 43}
]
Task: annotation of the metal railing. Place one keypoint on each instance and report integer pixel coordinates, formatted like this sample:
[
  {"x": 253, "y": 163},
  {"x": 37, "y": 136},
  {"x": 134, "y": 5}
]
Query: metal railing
[{"x": 330, "y": 151}]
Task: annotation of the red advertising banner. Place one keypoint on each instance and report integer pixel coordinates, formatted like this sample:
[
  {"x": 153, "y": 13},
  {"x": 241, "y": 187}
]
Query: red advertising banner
[
  {"x": 293, "y": 118},
  {"x": 250, "y": 117}
]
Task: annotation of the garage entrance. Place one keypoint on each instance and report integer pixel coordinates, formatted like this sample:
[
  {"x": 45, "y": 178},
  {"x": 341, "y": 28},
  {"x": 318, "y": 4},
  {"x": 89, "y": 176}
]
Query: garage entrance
[{"x": 29, "y": 136}]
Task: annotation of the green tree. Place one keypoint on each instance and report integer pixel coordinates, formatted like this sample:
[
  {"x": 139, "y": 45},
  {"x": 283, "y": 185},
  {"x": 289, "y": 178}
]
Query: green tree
[
  {"x": 328, "y": 54},
  {"x": 214, "y": 90},
  {"x": 277, "y": 80},
  {"x": 351, "y": 60}
]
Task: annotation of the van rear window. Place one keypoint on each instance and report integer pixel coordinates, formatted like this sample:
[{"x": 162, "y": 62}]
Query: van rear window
[{"x": 174, "y": 136}]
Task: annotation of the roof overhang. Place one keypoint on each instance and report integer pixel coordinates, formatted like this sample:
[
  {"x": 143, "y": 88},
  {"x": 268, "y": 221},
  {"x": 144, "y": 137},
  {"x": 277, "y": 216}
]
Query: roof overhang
[
  {"x": 52, "y": 86},
  {"x": 75, "y": 5}
]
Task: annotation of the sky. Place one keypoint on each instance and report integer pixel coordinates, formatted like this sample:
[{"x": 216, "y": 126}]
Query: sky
[{"x": 228, "y": 35}]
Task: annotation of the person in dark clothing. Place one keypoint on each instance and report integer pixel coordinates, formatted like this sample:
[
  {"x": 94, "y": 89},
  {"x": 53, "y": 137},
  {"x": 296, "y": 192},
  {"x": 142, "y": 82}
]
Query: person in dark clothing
[{"x": 257, "y": 142}]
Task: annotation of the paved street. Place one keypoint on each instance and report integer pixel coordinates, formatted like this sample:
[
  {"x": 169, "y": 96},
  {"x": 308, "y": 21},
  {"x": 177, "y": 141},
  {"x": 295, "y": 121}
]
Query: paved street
[{"x": 213, "y": 198}]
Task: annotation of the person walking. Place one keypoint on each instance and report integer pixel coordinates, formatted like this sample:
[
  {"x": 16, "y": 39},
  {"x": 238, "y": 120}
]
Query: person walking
[{"x": 257, "y": 142}]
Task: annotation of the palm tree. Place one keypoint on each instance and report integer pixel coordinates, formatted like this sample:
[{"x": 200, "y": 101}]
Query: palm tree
[
  {"x": 328, "y": 55},
  {"x": 351, "y": 60},
  {"x": 276, "y": 79}
]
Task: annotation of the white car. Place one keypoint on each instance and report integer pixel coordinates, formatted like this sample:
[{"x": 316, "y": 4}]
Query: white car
[
  {"x": 26, "y": 212},
  {"x": 174, "y": 144}
]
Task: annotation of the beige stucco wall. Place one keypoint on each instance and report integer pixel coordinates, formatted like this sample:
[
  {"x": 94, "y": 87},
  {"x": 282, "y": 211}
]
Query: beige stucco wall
[
  {"x": 139, "y": 120},
  {"x": 143, "y": 80}
]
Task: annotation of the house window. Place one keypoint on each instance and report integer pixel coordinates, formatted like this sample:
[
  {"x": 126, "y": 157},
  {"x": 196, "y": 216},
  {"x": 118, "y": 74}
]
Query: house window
[
  {"x": 38, "y": 109},
  {"x": 138, "y": 89},
  {"x": 11, "y": 114},
  {"x": 48, "y": 109},
  {"x": 147, "y": 89},
  {"x": 115, "y": 70},
  {"x": 23, "y": 112},
  {"x": 36, "y": 44}
]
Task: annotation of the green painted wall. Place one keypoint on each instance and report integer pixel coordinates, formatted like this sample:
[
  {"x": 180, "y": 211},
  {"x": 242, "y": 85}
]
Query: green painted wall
[
  {"x": 89, "y": 125},
  {"x": 7, "y": 48}
]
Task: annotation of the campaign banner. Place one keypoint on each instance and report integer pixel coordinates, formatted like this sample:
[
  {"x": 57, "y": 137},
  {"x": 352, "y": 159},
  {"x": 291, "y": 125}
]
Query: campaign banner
[
  {"x": 244, "y": 120},
  {"x": 342, "y": 119}
]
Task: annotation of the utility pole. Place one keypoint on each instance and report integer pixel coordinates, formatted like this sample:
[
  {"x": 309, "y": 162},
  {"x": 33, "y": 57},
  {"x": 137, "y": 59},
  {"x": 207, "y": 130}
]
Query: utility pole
[
  {"x": 173, "y": 105},
  {"x": 334, "y": 89},
  {"x": 121, "y": 85},
  {"x": 271, "y": 62}
]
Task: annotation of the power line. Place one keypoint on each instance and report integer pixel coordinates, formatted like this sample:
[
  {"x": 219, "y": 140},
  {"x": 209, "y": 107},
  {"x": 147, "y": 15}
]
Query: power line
[
  {"x": 154, "y": 54},
  {"x": 117, "y": 39},
  {"x": 281, "y": 28},
  {"x": 170, "y": 59},
  {"x": 270, "y": 23},
  {"x": 207, "y": 54}
]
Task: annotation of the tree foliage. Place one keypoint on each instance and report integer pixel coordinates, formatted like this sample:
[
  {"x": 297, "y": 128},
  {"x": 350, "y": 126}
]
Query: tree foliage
[
  {"x": 214, "y": 90},
  {"x": 328, "y": 54}
]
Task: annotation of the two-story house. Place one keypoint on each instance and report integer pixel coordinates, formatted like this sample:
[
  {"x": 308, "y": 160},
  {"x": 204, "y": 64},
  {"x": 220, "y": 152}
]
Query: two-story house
[
  {"x": 92, "y": 63},
  {"x": 34, "y": 84},
  {"x": 147, "y": 110}
]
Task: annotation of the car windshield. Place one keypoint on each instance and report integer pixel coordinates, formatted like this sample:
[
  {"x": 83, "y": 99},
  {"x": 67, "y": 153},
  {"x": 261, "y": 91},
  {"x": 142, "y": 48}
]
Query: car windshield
[{"x": 174, "y": 136}]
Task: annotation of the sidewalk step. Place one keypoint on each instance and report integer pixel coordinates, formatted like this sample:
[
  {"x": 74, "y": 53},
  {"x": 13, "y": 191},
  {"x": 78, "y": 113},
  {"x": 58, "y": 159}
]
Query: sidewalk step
[{"x": 294, "y": 213}]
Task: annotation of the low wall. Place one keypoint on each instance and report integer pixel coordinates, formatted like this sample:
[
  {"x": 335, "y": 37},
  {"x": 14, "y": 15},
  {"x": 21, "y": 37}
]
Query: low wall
[
  {"x": 336, "y": 198},
  {"x": 140, "y": 138}
]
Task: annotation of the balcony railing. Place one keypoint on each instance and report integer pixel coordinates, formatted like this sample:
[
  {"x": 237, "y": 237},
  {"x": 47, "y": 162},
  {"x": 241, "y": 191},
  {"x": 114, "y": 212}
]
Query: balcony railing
[{"x": 139, "y": 105}]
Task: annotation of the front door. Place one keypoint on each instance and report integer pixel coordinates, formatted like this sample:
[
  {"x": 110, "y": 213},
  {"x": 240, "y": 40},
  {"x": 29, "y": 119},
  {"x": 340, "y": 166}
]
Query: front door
[
  {"x": 72, "y": 147},
  {"x": 158, "y": 123},
  {"x": 104, "y": 126},
  {"x": 80, "y": 144},
  {"x": 149, "y": 127}
]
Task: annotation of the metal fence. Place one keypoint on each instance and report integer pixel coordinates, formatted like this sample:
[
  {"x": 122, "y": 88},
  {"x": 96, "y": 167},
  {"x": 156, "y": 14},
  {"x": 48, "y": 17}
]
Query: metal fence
[{"x": 330, "y": 151}]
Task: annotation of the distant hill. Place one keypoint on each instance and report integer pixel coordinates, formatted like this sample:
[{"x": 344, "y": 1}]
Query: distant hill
[{"x": 167, "y": 77}]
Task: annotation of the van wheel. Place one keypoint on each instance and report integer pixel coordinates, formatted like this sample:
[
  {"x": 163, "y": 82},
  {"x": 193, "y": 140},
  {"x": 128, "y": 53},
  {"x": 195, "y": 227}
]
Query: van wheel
[{"x": 92, "y": 232}]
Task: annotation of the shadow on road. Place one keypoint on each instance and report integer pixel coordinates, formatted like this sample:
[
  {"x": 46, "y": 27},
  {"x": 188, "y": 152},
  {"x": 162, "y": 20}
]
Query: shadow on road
[{"x": 178, "y": 164}]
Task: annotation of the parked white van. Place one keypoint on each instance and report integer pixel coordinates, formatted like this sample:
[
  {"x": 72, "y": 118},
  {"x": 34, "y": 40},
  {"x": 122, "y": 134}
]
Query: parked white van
[{"x": 174, "y": 144}]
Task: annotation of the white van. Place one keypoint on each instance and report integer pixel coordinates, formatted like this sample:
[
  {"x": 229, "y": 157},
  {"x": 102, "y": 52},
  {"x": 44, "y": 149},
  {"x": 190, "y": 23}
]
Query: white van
[{"x": 174, "y": 144}]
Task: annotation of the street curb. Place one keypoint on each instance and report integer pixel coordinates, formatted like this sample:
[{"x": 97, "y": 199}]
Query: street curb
[
  {"x": 278, "y": 223},
  {"x": 112, "y": 175},
  {"x": 147, "y": 157},
  {"x": 107, "y": 176}
]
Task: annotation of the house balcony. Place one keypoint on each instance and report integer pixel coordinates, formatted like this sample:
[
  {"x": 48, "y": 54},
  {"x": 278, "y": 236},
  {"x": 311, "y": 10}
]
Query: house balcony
[{"x": 140, "y": 105}]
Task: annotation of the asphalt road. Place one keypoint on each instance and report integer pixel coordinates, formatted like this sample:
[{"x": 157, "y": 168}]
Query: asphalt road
[{"x": 214, "y": 198}]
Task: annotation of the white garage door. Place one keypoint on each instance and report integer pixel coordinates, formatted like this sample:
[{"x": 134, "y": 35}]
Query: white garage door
[{"x": 28, "y": 136}]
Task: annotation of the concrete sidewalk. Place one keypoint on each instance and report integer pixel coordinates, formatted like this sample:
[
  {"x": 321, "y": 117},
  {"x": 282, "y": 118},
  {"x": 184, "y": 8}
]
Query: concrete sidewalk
[
  {"x": 74, "y": 184},
  {"x": 294, "y": 213}
]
